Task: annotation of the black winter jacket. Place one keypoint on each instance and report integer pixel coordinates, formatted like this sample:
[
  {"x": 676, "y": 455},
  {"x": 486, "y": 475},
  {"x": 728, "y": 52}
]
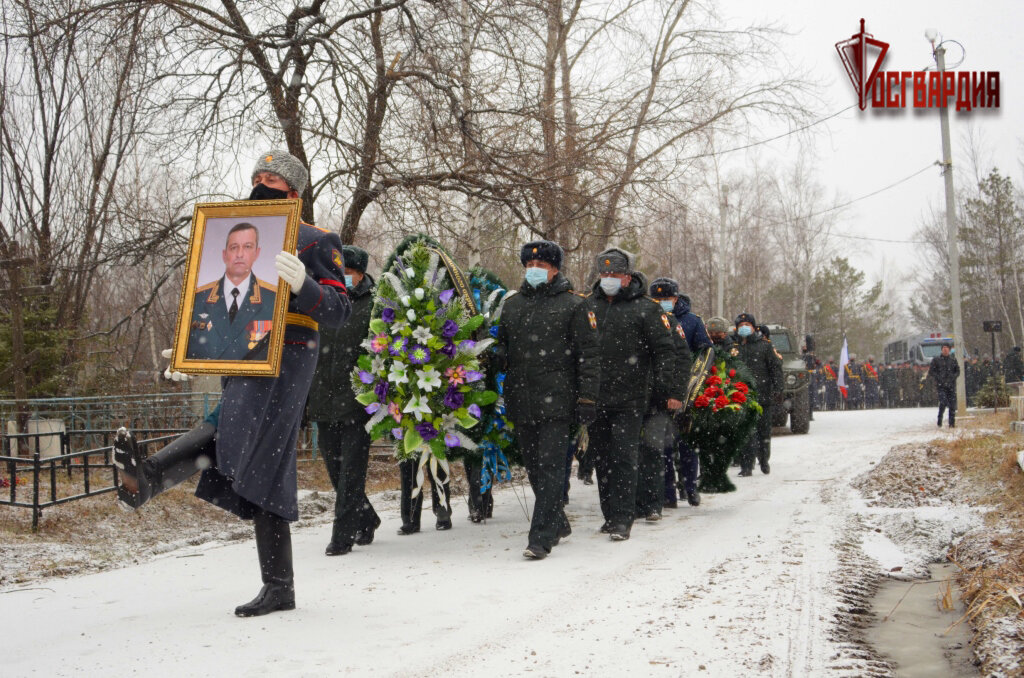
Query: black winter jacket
[
  {"x": 944, "y": 370},
  {"x": 548, "y": 348},
  {"x": 638, "y": 353},
  {"x": 330, "y": 396}
]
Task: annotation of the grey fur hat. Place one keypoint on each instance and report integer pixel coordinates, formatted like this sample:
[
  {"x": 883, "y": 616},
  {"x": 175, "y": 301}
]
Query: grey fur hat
[
  {"x": 717, "y": 324},
  {"x": 285, "y": 165},
  {"x": 615, "y": 260}
]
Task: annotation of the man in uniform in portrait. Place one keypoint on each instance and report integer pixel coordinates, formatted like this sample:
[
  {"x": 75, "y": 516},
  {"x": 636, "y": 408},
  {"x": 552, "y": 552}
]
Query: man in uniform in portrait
[{"x": 232, "y": 316}]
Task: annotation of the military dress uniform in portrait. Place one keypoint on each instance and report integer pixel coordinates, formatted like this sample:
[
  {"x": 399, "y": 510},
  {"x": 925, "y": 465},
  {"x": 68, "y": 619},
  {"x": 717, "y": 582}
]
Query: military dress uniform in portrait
[
  {"x": 232, "y": 317},
  {"x": 218, "y": 334}
]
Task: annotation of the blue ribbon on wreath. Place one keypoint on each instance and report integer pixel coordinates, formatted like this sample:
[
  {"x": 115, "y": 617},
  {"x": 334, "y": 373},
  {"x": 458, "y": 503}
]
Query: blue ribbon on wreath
[{"x": 495, "y": 467}]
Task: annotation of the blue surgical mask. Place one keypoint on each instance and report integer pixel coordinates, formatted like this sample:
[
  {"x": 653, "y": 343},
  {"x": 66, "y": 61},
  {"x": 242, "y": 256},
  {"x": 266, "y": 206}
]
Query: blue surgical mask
[
  {"x": 667, "y": 306},
  {"x": 611, "y": 286},
  {"x": 535, "y": 275},
  {"x": 348, "y": 280},
  {"x": 745, "y": 330}
]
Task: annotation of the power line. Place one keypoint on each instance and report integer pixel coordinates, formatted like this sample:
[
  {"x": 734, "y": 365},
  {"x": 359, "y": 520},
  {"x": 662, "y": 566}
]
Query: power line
[
  {"x": 770, "y": 139},
  {"x": 851, "y": 202}
]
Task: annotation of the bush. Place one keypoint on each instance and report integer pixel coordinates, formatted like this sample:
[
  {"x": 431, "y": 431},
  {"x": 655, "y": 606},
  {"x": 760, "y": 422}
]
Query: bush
[{"x": 993, "y": 394}]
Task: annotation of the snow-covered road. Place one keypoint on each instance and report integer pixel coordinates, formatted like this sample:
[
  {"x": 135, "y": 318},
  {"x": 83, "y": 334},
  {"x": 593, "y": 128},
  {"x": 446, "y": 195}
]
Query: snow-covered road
[{"x": 742, "y": 585}]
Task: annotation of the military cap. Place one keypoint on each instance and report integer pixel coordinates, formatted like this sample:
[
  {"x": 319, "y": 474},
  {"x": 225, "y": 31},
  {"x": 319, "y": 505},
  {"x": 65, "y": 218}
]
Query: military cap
[
  {"x": 355, "y": 257},
  {"x": 285, "y": 165},
  {"x": 717, "y": 324},
  {"x": 745, "y": 318},
  {"x": 615, "y": 260},
  {"x": 542, "y": 250},
  {"x": 664, "y": 287}
]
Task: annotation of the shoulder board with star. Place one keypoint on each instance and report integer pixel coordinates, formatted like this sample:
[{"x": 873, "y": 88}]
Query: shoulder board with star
[
  {"x": 579, "y": 294},
  {"x": 322, "y": 230},
  {"x": 265, "y": 285},
  {"x": 207, "y": 286}
]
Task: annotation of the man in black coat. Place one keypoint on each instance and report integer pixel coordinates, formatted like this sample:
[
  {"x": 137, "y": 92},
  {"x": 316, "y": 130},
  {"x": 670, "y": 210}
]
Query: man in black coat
[
  {"x": 340, "y": 420},
  {"x": 765, "y": 364},
  {"x": 1013, "y": 366},
  {"x": 944, "y": 370},
  {"x": 246, "y": 447},
  {"x": 638, "y": 359},
  {"x": 665, "y": 291},
  {"x": 548, "y": 347}
]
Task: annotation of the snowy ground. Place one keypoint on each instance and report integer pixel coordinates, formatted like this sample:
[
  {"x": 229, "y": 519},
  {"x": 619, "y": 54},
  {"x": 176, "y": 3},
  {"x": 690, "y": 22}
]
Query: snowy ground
[{"x": 743, "y": 585}]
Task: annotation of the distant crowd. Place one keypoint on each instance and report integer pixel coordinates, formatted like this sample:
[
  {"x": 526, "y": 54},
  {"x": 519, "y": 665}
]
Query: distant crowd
[{"x": 870, "y": 385}]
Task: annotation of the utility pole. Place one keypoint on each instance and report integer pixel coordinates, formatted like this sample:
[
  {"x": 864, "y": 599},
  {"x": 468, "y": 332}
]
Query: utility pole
[
  {"x": 951, "y": 233},
  {"x": 723, "y": 209}
]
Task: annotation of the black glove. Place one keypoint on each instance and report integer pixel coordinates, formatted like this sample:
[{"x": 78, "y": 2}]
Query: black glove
[{"x": 586, "y": 412}]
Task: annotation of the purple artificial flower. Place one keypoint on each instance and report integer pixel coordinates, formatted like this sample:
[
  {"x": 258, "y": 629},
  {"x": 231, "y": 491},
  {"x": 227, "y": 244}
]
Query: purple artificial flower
[
  {"x": 446, "y": 296},
  {"x": 419, "y": 355},
  {"x": 453, "y": 398},
  {"x": 467, "y": 344},
  {"x": 426, "y": 430},
  {"x": 398, "y": 346},
  {"x": 388, "y": 315},
  {"x": 372, "y": 408},
  {"x": 449, "y": 329},
  {"x": 452, "y": 440},
  {"x": 381, "y": 389},
  {"x": 365, "y": 377},
  {"x": 397, "y": 433},
  {"x": 448, "y": 349},
  {"x": 473, "y": 375},
  {"x": 474, "y": 409}
]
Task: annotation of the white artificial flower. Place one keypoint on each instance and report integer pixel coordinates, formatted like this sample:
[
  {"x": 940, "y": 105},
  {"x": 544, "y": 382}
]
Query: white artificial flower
[
  {"x": 377, "y": 366},
  {"x": 449, "y": 421},
  {"x": 417, "y": 406},
  {"x": 398, "y": 326},
  {"x": 409, "y": 273},
  {"x": 422, "y": 334},
  {"x": 428, "y": 379},
  {"x": 397, "y": 375},
  {"x": 418, "y": 293},
  {"x": 411, "y": 315},
  {"x": 406, "y": 300}
]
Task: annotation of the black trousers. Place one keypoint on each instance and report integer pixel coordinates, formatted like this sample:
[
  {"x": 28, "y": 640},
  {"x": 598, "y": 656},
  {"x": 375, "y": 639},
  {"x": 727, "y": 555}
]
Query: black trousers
[
  {"x": 481, "y": 503},
  {"x": 689, "y": 467},
  {"x": 947, "y": 398},
  {"x": 615, "y": 444},
  {"x": 543, "y": 446},
  {"x": 659, "y": 434},
  {"x": 346, "y": 451},
  {"x": 760, "y": 444},
  {"x": 412, "y": 507}
]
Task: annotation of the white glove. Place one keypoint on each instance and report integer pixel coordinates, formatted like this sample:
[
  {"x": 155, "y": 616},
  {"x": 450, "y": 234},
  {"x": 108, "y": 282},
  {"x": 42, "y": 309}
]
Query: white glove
[
  {"x": 173, "y": 376},
  {"x": 291, "y": 269}
]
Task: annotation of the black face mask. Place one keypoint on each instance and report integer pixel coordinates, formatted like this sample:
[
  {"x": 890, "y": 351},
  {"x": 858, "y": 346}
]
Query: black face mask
[{"x": 261, "y": 192}]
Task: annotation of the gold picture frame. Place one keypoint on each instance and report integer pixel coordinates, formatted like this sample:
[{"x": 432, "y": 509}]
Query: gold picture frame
[{"x": 232, "y": 248}]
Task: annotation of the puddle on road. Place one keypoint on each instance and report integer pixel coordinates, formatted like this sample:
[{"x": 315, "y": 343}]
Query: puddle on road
[{"x": 914, "y": 636}]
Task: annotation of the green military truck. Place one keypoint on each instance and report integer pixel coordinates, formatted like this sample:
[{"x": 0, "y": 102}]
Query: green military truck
[{"x": 796, "y": 404}]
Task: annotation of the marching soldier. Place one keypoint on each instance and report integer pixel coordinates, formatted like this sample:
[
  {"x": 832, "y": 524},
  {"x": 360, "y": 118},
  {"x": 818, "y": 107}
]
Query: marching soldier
[
  {"x": 888, "y": 385},
  {"x": 831, "y": 386},
  {"x": 638, "y": 359},
  {"x": 249, "y": 461},
  {"x": 343, "y": 440},
  {"x": 548, "y": 345},
  {"x": 765, "y": 364},
  {"x": 666, "y": 292},
  {"x": 660, "y": 431}
]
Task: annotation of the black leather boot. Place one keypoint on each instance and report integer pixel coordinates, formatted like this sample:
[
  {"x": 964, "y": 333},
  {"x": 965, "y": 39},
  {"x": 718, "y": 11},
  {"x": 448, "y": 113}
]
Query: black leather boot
[
  {"x": 175, "y": 463},
  {"x": 411, "y": 507},
  {"x": 274, "y": 548}
]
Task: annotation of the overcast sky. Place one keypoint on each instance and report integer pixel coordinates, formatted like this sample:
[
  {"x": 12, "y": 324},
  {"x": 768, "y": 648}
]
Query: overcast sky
[{"x": 861, "y": 152}]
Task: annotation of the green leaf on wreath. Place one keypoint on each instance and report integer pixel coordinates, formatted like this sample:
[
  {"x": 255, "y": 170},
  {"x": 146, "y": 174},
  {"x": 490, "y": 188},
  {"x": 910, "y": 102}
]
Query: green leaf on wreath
[
  {"x": 437, "y": 447},
  {"x": 365, "y": 362},
  {"x": 481, "y": 397},
  {"x": 412, "y": 440},
  {"x": 377, "y": 326},
  {"x": 381, "y": 428},
  {"x": 366, "y": 398},
  {"x": 467, "y": 421}
]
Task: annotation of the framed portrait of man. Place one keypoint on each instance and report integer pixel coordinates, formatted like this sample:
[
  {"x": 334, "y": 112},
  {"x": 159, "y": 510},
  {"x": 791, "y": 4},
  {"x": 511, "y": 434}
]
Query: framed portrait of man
[{"x": 231, "y": 314}]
